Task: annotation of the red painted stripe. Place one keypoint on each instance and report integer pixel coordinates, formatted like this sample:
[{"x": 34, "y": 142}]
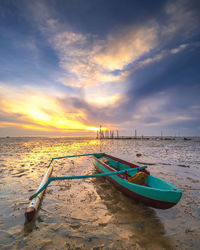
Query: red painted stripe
[
  {"x": 122, "y": 161},
  {"x": 126, "y": 163}
]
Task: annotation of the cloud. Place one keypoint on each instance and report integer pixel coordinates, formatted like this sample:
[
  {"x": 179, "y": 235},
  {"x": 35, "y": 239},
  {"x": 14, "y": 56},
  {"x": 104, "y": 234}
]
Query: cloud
[
  {"x": 179, "y": 48},
  {"x": 34, "y": 110},
  {"x": 183, "y": 19},
  {"x": 127, "y": 46},
  {"x": 77, "y": 59},
  {"x": 88, "y": 61},
  {"x": 124, "y": 76},
  {"x": 155, "y": 58}
]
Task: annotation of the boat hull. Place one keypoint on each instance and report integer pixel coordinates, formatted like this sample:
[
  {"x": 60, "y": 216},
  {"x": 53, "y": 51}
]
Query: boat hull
[{"x": 137, "y": 192}]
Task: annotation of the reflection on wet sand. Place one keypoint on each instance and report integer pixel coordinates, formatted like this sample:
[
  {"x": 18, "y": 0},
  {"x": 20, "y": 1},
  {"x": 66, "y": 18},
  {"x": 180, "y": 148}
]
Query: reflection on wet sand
[
  {"x": 136, "y": 224},
  {"x": 92, "y": 214}
]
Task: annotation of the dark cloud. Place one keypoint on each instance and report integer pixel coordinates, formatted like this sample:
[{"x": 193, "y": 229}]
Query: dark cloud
[
  {"x": 102, "y": 17},
  {"x": 94, "y": 115},
  {"x": 15, "y": 118},
  {"x": 5, "y": 117},
  {"x": 175, "y": 72}
]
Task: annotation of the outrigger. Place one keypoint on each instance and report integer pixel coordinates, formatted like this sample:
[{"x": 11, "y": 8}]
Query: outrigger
[{"x": 135, "y": 181}]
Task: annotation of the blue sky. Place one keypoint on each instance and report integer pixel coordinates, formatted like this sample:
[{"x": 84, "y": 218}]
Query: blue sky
[{"x": 68, "y": 66}]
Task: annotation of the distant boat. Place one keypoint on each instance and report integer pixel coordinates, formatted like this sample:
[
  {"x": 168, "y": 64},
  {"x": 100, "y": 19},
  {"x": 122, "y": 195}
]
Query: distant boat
[
  {"x": 154, "y": 192},
  {"x": 187, "y": 139}
]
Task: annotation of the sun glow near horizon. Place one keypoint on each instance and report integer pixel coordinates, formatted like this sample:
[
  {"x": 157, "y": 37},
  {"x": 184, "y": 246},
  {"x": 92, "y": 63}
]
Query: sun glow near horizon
[{"x": 38, "y": 112}]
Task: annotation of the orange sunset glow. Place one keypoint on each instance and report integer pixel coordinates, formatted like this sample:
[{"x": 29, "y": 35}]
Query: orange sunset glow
[
  {"x": 67, "y": 70},
  {"x": 38, "y": 112}
]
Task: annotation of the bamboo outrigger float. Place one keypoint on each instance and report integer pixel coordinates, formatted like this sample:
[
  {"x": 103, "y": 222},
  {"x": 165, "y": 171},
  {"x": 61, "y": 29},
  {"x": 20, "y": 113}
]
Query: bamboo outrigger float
[
  {"x": 154, "y": 192},
  {"x": 35, "y": 202}
]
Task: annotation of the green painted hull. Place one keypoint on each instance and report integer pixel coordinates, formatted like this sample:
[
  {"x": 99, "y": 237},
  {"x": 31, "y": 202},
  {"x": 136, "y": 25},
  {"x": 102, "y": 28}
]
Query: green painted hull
[{"x": 156, "y": 192}]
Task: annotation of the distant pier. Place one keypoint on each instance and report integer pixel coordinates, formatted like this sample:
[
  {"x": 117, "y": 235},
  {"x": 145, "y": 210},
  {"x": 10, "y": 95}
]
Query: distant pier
[{"x": 114, "y": 135}]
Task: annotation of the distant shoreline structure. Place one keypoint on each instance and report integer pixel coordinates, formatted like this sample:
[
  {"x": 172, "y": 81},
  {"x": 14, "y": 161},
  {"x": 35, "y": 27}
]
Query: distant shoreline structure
[
  {"x": 85, "y": 138},
  {"x": 108, "y": 134},
  {"x": 104, "y": 132},
  {"x": 114, "y": 134}
]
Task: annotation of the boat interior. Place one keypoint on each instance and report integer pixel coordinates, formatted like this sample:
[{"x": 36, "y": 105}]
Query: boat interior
[
  {"x": 149, "y": 180},
  {"x": 116, "y": 165}
]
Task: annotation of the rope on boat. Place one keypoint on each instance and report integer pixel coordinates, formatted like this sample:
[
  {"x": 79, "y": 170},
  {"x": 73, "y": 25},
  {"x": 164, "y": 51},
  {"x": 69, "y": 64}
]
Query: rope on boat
[{"x": 82, "y": 177}]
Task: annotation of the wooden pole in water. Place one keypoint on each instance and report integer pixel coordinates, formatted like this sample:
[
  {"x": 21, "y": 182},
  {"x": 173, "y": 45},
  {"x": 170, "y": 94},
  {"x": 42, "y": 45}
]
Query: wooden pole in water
[
  {"x": 135, "y": 133},
  {"x": 100, "y": 134},
  {"x": 34, "y": 204},
  {"x": 97, "y": 134}
]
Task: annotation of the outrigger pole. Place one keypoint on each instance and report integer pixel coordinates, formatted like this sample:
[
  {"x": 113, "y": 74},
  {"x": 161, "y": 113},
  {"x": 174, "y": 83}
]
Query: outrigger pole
[
  {"x": 34, "y": 204},
  {"x": 37, "y": 197}
]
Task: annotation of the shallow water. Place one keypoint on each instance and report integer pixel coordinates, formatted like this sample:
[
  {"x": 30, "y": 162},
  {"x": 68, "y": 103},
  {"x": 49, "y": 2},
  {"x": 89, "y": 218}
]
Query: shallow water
[{"x": 91, "y": 213}]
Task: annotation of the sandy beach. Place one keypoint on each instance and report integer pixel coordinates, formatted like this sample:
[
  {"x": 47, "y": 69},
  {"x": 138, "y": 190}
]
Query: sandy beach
[{"x": 91, "y": 213}]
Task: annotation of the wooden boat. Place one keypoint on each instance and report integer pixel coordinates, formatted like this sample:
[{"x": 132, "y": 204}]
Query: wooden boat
[{"x": 155, "y": 192}]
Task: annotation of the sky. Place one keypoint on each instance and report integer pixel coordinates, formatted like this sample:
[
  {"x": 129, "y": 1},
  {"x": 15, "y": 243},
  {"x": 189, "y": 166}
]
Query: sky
[{"x": 68, "y": 66}]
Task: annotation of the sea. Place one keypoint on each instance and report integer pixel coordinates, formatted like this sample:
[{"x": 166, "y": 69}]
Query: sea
[{"x": 91, "y": 213}]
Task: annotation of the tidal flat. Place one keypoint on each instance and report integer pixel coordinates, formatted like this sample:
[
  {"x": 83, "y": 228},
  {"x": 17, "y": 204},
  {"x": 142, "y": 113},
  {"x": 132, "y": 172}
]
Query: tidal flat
[{"x": 91, "y": 213}]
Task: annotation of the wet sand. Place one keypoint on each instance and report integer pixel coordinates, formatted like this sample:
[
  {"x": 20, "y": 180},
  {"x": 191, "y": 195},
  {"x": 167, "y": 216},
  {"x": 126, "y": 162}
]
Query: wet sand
[{"x": 91, "y": 213}]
